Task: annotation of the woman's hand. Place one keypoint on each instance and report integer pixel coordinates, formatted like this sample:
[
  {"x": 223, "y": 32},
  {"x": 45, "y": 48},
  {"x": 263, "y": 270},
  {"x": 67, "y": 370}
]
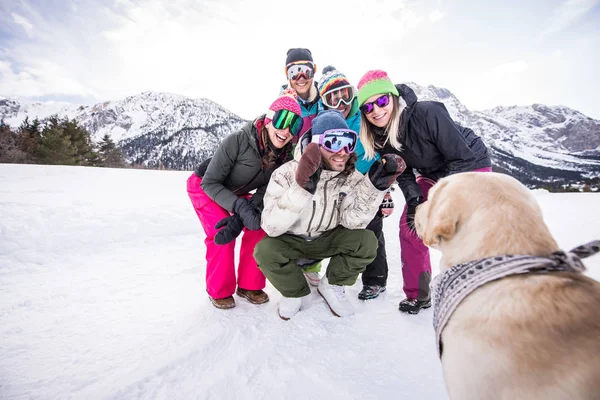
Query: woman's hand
[
  {"x": 233, "y": 227},
  {"x": 249, "y": 215}
]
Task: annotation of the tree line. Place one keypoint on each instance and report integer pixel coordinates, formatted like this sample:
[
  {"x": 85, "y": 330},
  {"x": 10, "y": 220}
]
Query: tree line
[{"x": 56, "y": 141}]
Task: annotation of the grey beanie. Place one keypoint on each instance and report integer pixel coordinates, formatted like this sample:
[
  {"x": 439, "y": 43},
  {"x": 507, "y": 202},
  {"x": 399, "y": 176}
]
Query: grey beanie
[{"x": 326, "y": 120}]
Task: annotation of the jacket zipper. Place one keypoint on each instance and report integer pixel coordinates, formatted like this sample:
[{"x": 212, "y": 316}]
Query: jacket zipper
[
  {"x": 311, "y": 217},
  {"x": 324, "y": 205},
  {"x": 332, "y": 214}
]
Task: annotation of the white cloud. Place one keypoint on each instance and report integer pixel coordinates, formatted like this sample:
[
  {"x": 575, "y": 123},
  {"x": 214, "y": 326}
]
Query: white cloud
[
  {"x": 504, "y": 84},
  {"x": 510, "y": 69},
  {"x": 23, "y": 22},
  {"x": 45, "y": 79},
  {"x": 567, "y": 13},
  {"x": 233, "y": 52},
  {"x": 435, "y": 16}
]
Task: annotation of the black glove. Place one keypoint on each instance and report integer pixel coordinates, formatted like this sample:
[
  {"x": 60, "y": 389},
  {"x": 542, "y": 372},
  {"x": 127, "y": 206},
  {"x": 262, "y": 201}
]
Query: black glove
[
  {"x": 385, "y": 171},
  {"x": 250, "y": 216},
  {"x": 411, "y": 210},
  {"x": 233, "y": 227},
  {"x": 308, "y": 172}
]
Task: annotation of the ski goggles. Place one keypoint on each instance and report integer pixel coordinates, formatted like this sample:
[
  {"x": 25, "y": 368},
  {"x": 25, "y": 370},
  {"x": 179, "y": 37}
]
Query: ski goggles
[
  {"x": 344, "y": 94},
  {"x": 381, "y": 102},
  {"x": 336, "y": 140},
  {"x": 297, "y": 71},
  {"x": 284, "y": 119}
]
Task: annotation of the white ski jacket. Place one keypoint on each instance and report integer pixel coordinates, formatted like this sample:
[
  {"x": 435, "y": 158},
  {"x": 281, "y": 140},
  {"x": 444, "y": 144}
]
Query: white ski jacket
[{"x": 351, "y": 201}]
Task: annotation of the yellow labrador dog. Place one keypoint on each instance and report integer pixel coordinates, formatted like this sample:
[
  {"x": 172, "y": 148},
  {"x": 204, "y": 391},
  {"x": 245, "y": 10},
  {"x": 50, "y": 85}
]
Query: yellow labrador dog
[{"x": 530, "y": 328}]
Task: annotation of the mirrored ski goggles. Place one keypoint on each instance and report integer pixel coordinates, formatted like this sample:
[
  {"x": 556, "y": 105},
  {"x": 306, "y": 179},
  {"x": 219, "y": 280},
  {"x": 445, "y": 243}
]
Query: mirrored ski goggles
[
  {"x": 381, "y": 102},
  {"x": 283, "y": 119},
  {"x": 297, "y": 71},
  {"x": 336, "y": 140},
  {"x": 344, "y": 94}
]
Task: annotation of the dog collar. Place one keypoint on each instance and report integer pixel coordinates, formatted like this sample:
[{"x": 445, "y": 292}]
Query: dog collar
[{"x": 453, "y": 285}]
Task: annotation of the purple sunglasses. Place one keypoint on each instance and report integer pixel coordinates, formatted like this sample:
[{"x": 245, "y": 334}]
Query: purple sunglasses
[
  {"x": 336, "y": 140},
  {"x": 381, "y": 102}
]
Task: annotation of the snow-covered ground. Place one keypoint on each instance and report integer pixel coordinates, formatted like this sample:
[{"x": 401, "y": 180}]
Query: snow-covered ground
[{"x": 102, "y": 296}]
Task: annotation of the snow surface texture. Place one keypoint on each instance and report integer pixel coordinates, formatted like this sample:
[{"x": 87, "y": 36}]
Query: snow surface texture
[{"x": 102, "y": 296}]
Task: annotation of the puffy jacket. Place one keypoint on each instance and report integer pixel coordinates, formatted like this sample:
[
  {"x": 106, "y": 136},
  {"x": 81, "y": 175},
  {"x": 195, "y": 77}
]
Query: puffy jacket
[
  {"x": 351, "y": 201},
  {"x": 432, "y": 143},
  {"x": 235, "y": 168}
]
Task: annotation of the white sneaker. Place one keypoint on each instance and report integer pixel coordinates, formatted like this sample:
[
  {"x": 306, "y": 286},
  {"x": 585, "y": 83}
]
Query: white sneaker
[
  {"x": 289, "y": 306},
  {"x": 313, "y": 278},
  {"x": 335, "y": 296}
]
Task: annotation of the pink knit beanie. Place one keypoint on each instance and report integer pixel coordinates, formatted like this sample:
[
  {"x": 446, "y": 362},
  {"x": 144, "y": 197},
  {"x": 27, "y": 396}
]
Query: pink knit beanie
[{"x": 286, "y": 101}]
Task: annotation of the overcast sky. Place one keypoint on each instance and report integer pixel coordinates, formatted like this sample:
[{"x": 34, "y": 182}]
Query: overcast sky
[{"x": 511, "y": 52}]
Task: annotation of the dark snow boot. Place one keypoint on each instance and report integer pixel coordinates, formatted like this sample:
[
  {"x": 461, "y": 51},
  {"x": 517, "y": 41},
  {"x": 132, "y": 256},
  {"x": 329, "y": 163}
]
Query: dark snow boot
[
  {"x": 370, "y": 292},
  {"x": 413, "y": 306},
  {"x": 224, "y": 303}
]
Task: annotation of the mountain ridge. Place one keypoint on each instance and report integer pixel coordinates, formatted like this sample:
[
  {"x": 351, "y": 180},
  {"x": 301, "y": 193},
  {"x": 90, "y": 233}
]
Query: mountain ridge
[{"x": 537, "y": 144}]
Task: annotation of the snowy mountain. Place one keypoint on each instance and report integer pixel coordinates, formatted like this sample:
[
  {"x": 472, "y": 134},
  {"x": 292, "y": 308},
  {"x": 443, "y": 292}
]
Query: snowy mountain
[
  {"x": 558, "y": 128},
  {"x": 13, "y": 111},
  {"x": 153, "y": 129},
  {"x": 538, "y": 144}
]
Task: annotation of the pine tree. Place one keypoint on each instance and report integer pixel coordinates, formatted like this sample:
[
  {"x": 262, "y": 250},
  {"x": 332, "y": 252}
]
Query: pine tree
[
  {"x": 64, "y": 142},
  {"x": 53, "y": 147},
  {"x": 28, "y": 135},
  {"x": 8, "y": 145},
  {"x": 109, "y": 154}
]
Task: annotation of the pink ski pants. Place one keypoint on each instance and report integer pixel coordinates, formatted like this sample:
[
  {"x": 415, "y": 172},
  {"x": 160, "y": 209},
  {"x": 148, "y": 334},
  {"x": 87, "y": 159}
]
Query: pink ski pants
[{"x": 220, "y": 259}]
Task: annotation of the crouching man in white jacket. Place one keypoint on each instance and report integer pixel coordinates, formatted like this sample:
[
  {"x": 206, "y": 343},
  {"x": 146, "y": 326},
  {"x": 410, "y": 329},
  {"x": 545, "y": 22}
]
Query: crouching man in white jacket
[{"x": 317, "y": 206}]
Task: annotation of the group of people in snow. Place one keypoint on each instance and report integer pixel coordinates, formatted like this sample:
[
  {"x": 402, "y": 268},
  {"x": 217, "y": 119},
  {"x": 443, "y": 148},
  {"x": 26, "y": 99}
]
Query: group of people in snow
[{"x": 310, "y": 180}]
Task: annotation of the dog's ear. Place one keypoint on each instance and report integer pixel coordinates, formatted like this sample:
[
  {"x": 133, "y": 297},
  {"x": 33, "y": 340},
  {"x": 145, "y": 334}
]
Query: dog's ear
[{"x": 442, "y": 218}]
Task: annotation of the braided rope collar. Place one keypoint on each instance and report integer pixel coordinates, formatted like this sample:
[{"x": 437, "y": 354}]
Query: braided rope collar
[{"x": 453, "y": 285}]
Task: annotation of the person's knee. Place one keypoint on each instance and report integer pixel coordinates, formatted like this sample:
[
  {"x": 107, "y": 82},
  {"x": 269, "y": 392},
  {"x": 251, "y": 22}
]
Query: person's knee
[
  {"x": 267, "y": 251},
  {"x": 370, "y": 241},
  {"x": 364, "y": 242},
  {"x": 372, "y": 237},
  {"x": 261, "y": 250}
]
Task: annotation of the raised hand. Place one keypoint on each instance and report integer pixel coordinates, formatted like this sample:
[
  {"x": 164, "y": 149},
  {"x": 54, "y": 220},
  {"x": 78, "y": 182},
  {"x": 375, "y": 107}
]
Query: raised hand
[
  {"x": 309, "y": 168},
  {"x": 385, "y": 171}
]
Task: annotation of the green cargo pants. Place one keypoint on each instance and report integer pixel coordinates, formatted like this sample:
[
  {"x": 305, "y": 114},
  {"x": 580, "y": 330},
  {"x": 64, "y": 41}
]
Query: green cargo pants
[{"x": 350, "y": 251}]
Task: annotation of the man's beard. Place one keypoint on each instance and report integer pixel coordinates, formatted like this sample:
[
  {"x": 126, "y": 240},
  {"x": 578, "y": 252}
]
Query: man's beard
[{"x": 327, "y": 165}]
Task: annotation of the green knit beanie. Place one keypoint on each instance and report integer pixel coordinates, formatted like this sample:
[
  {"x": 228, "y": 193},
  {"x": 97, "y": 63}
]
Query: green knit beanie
[{"x": 374, "y": 82}]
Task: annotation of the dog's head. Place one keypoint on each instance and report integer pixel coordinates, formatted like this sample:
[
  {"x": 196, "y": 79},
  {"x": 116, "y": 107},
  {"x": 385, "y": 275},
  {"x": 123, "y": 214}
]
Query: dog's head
[
  {"x": 433, "y": 219},
  {"x": 475, "y": 215}
]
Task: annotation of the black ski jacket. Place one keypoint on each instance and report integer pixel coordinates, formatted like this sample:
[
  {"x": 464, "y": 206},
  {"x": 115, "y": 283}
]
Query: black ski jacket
[{"x": 432, "y": 143}]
